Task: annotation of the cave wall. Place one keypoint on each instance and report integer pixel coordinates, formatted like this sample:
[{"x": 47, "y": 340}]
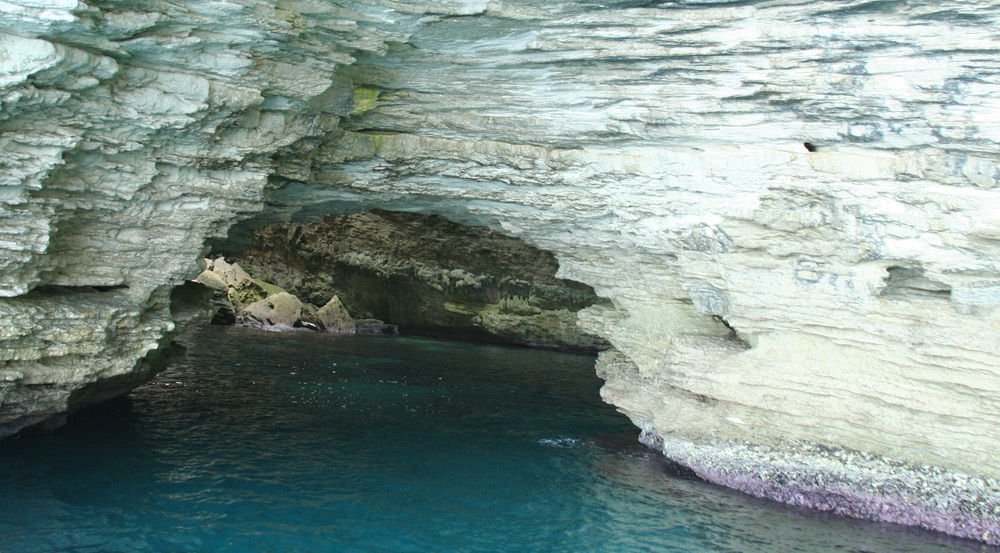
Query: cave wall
[
  {"x": 426, "y": 275},
  {"x": 791, "y": 205}
]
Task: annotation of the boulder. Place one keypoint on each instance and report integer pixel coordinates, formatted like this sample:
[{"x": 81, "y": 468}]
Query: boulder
[
  {"x": 213, "y": 280},
  {"x": 335, "y": 317},
  {"x": 279, "y": 310}
]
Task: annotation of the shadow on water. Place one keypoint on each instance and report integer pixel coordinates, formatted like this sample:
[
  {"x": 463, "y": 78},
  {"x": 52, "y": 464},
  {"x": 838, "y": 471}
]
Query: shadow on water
[{"x": 306, "y": 442}]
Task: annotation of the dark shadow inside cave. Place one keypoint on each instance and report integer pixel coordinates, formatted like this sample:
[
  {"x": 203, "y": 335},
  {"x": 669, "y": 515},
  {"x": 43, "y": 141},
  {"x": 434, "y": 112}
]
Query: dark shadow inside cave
[{"x": 379, "y": 271}]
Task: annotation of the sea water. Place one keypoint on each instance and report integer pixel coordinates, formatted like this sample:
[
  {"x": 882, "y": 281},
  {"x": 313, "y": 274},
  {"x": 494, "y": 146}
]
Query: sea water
[{"x": 302, "y": 442}]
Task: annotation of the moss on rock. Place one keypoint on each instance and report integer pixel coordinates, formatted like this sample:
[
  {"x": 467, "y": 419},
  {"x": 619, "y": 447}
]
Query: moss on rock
[{"x": 365, "y": 100}]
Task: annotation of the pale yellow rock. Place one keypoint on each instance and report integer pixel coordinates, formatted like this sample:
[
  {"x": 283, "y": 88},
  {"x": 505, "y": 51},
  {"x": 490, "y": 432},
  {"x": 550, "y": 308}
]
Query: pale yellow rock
[
  {"x": 231, "y": 273},
  {"x": 213, "y": 280},
  {"x": 335, "y": 317},
  {"x": 280, "y": 310}
]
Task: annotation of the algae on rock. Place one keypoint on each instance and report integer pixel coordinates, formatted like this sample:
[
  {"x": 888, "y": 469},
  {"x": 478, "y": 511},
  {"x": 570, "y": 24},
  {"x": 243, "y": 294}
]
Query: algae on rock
[{"x": 242, "y": 299}]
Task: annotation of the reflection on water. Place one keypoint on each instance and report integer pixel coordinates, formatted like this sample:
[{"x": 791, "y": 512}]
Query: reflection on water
[{"x": 307, "y": 442}]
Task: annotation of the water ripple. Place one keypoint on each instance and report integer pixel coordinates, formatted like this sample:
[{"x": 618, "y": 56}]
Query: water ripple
[{"x": 306, "y": 442}]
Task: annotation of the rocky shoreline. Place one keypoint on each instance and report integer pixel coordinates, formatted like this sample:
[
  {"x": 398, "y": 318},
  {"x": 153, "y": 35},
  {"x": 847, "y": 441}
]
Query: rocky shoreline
[{"x": 844, "y": 482}]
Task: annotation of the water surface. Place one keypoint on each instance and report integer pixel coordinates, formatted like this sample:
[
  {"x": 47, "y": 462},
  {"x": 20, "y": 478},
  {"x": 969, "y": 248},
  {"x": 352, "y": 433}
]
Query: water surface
[{"x": 263, "y": 442}]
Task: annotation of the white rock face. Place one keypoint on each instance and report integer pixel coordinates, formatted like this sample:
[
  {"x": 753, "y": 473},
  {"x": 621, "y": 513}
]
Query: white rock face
[
  {"x": 128, "y": 135},
  {"x": 792, "y": 205}
]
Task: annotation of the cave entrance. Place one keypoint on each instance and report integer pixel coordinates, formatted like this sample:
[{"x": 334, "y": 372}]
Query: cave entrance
[{"x": 383, "y": 271}]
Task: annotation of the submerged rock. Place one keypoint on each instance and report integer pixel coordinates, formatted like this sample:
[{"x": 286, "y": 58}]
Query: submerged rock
[
  {"x": 374, "y": 326},
  {"x": 844, "y": 482}
]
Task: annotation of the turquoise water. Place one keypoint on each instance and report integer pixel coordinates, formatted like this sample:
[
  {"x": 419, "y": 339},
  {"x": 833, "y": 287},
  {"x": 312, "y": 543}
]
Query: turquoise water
[{"x": 293, "y": 442}]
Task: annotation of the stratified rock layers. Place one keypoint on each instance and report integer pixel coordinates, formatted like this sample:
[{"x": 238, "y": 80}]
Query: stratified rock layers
[
  {"x": 130, "y": 132},
  {"x": 792, "y": 206}
]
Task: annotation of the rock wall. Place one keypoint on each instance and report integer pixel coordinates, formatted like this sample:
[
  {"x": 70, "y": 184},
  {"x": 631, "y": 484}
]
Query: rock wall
[
  {"x": 792, "y": 205},
  {"x": 130, "y": 132},
  {"x": 428, "y": 276}
]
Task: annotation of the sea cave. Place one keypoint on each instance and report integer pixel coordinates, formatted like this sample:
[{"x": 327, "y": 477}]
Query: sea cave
[{"x": 499, "y": 275}]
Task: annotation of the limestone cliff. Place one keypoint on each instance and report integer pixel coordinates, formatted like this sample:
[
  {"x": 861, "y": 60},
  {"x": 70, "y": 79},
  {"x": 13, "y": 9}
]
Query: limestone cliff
[
  {"x": 792, "y": 205},
  {"x": 129, "y": 133}
]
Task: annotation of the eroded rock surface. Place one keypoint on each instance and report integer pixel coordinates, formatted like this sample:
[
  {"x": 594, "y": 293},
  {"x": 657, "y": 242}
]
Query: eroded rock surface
[
  {"x": 792, "y": 205},
  {"x": 427, "y": 275},
  {"x": 335, "y": 317},
  {"x": 239, "y": 298}
]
